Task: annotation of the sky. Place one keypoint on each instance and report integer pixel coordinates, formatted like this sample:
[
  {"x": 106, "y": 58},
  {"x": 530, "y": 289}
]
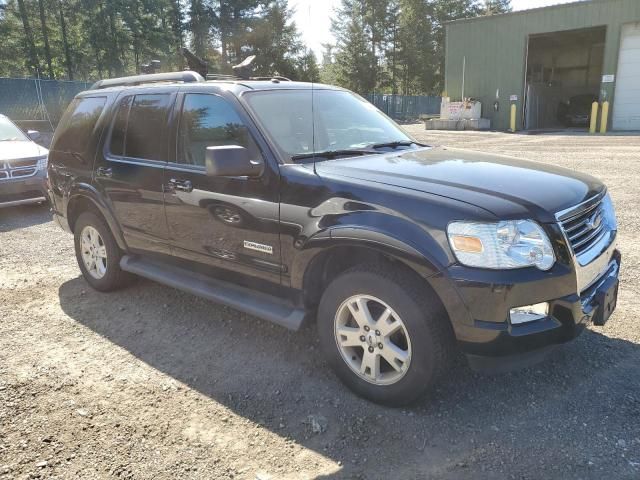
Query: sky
[{"x": 313, "y": 18}]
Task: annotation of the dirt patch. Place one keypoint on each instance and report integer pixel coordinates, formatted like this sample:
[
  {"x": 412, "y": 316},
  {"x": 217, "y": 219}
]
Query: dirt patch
[{"x": 153, "y": 383}]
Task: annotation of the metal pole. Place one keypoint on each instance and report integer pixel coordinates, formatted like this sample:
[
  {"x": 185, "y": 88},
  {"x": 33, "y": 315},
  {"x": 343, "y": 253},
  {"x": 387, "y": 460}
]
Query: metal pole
[{"x": 464, "y": 71}]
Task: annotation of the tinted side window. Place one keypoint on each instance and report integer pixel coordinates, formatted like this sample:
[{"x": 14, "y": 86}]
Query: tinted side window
[
  {"x": 76, "y": 127},
  {"x": 139, "y": 128},
  {"x": 208, "y": 121},
  {"x": 120, "y": 127}
]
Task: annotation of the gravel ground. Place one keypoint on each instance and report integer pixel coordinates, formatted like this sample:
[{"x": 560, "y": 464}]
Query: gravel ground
[{"x": 153, "y": 383}]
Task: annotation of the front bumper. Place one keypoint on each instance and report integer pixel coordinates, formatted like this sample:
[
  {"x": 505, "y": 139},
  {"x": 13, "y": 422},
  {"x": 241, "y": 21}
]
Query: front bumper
[
  {"x": 28, "y": 190},
  {"x": 492, "y": 342}
]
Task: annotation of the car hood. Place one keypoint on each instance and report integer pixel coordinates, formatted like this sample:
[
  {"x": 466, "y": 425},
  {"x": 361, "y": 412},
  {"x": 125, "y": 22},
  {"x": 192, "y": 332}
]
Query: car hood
[
  {"x": 20, "y": 149},
  {"x": 509, "y": 188}
]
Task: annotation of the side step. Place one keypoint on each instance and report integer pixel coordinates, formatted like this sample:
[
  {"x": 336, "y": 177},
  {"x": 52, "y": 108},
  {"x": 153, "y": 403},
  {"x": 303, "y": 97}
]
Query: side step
[{"x": 258, "y": 304}]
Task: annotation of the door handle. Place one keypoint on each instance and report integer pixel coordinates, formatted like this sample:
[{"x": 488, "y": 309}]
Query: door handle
[
  {"x": 181, "y": 185},
  {"x": 104, "y": 172}
]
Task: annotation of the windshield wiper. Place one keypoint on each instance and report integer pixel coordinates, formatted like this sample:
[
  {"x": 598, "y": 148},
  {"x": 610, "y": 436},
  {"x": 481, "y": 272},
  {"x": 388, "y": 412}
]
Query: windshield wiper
[
  {"x": 331, "y": 154},
  {"x": 396, "y": 144}
]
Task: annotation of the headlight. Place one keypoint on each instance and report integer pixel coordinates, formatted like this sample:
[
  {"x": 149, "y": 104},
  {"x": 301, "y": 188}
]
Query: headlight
[
  {"x": 609, "y": 213},
  {"x": 42, "y": 163},
  {"x": 502, "y": 245}
]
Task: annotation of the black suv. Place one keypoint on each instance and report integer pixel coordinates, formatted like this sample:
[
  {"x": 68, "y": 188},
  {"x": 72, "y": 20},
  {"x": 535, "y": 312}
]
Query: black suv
[{"x": 291, "y": 201}]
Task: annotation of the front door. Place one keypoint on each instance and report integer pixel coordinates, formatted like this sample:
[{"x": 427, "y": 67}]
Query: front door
[
  {"x": 130, "y": 170},
  {"x": 226, "y": 222}
]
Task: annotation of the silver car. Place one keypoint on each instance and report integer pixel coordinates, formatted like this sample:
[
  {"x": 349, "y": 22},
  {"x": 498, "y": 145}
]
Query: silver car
[{"x": 23, "y": 166}]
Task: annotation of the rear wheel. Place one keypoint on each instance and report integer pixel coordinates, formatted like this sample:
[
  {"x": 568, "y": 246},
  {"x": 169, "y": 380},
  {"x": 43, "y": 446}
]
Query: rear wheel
[
  {"x": 98, "y": 254},
  {"x": 385, "y": 334}
]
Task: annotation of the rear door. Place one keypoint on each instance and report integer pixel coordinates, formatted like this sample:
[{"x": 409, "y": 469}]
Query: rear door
[
  {"x": 74, "y": 145},
  {"x": 130, "y": 169},
  {"x": 228, "y": 222}
]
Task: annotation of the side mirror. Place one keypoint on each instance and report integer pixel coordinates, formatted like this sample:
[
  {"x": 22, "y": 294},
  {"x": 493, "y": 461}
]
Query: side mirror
[
  {"x": 231, "y": 161},
  {"x": 34, "y": 135}
]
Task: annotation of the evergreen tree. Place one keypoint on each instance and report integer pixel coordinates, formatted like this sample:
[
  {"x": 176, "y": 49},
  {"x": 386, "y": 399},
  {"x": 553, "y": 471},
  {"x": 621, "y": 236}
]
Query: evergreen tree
[
  {"x": 394, "y": 46},
  {"x": 416, "y": 48},
  {"x": 494, "y": 7},
  {"x": 355, "y": 64},
  {"x": 45, "y": 38},
  {"x": 235, "y": 22},
  {"x": 34, "y": 63},
  {"x": 200, "y": 23},
  {"x": 307, "y": 68},
  {"x": 328, "y": 69},
  {"x": 275, "y": 41}
]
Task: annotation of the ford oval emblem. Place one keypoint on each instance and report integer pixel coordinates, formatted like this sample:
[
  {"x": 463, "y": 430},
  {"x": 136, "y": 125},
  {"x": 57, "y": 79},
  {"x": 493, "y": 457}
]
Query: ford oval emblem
[{"x": 594, "y": 222}]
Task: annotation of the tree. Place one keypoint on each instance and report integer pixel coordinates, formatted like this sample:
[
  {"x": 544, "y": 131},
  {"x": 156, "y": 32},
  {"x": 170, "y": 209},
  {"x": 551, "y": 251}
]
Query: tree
[
  {"x": 308, "y": 70},
  {"x": 45, "y": 38},
  {"x": 493, "y": 7},
  {"x": 396, "y": 45},
  {"x": 175, "y": 18},
  {"x": 200, "y": 22},
  {"x": 275, "y": 41},
  {"x": 91, "y": 39},
  {"x": 415, "y": 48},
  {"x": 65, "y": 41},
  {"x": 328, "y": 69},
  {"x": 355, "y": 63},
  {"x": 34, "y": 63},
  {"x": 235, "y": 22}
]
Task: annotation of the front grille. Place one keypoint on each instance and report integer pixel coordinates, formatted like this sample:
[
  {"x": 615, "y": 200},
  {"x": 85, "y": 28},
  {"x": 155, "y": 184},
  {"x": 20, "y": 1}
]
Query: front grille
[
  {"x": 18, "y": 168},
  {"x": 23, "y": 172},
  {"x": 585, "y": 228},
  {"x": 32, "y": 162}
]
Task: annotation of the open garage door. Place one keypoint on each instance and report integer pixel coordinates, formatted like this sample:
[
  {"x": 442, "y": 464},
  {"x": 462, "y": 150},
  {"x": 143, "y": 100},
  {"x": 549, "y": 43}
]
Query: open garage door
[
  {"x": 563, "y": 78},
  {"x": 626, "y": 107}
]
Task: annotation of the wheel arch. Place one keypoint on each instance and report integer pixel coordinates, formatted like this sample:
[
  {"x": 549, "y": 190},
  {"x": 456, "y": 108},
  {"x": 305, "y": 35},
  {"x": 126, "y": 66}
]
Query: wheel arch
[
  {"x": 84, "y": 197},
  {"x": 336, "y": 252}
]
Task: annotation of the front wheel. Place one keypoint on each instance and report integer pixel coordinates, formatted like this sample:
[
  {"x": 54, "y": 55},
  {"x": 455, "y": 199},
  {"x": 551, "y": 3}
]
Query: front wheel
[{"x": 385, "y": 334}]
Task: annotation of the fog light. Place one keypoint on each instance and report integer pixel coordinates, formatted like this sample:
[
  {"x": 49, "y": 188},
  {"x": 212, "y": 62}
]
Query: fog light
[{"x": 529, "y": 313}]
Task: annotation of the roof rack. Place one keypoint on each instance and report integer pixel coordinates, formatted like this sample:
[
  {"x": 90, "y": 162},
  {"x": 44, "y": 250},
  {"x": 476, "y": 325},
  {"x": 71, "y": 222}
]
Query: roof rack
[
  {"x": 234, "y": 78},
  {"x": 273, "y": 77},
  {"x": 220, "y": 76},
  {"x": 186, "y": 77}
]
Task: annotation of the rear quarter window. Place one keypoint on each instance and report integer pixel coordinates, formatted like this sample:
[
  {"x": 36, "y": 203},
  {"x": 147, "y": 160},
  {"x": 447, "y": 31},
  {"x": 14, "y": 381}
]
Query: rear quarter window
[{"x": 77, "y": 126}]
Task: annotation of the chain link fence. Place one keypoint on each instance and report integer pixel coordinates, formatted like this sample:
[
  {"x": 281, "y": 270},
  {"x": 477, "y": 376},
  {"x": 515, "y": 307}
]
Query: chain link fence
[
  {"x": 41, "y": 103},
  {"x": 406, "y": 107}
]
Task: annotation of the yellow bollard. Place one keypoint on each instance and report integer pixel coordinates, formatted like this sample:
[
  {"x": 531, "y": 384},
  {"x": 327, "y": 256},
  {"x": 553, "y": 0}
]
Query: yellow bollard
[
  {"x": 605, "y": 117},
  {"x": 513, "y": 117},
  {"x": 594, "y": 117}
]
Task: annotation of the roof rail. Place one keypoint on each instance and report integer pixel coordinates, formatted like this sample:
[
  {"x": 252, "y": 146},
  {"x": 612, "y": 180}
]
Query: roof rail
[
  {"x": 234, "y": 78},
  {"x": 221, "y": 76},
  {"x": 186, "y": 77},
  {"x": 273, "y": 77}
]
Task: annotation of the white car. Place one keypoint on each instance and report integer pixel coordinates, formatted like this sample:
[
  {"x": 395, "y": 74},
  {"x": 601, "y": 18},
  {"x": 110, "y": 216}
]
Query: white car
[{"x": 23, "y": 166}]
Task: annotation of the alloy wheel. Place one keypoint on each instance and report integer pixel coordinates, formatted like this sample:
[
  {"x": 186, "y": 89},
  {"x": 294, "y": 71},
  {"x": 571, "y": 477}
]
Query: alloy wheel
[
  {"x": 372, "y": 339},
  {"x": 94, "y": 252}
]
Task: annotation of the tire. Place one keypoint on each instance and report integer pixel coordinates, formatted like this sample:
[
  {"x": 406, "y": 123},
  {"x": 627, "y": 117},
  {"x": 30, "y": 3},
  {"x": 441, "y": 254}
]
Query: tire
[
  {"x": 109, "y": 276},
  {"x": 428, "y": 347}
]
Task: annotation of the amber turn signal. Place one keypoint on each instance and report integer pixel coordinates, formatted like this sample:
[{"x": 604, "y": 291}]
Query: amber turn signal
[{"x": 467, "y": 244}]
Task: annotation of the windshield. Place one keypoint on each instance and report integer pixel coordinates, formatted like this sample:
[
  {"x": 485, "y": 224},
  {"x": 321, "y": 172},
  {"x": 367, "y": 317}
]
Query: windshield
[
  {"x": 342, "y": 121},
  {"x": 8, "y": 131}
]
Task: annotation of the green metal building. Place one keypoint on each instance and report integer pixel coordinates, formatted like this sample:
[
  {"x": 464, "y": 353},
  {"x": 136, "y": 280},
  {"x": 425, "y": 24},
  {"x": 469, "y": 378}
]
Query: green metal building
[{"x": 551, "y": 62}]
